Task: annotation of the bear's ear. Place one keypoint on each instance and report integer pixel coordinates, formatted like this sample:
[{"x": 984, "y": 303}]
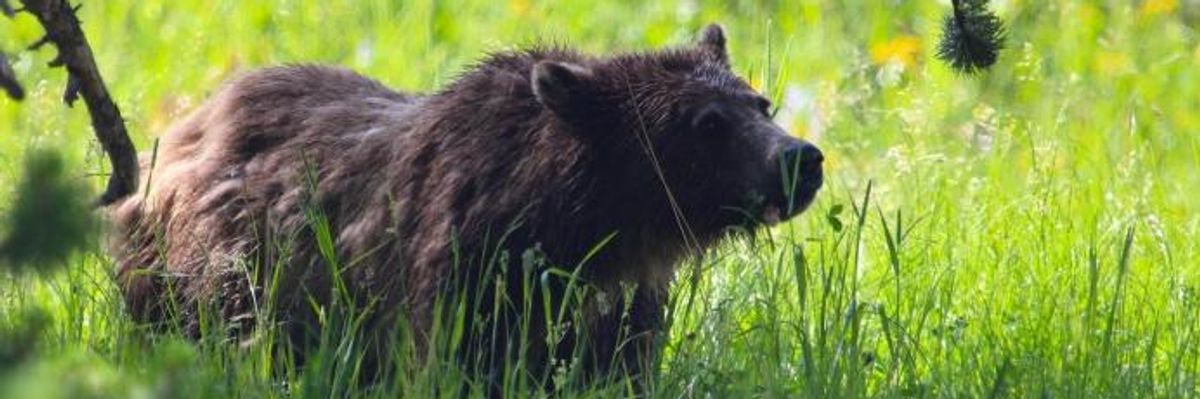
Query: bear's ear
[
  {"x": 712, "y": 42},
  {"x": 561, "y": 87}
]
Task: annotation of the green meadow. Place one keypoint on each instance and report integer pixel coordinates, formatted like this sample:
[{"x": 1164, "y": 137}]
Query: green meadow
[{"x": 1030, "y": 231}]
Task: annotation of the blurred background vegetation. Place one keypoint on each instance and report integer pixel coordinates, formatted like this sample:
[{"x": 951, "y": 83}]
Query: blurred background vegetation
[{"x": 991, "y": 257}]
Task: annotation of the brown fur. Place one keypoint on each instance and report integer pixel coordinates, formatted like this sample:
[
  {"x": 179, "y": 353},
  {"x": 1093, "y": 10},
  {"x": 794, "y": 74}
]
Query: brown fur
[{"x": 547, "y": 148}]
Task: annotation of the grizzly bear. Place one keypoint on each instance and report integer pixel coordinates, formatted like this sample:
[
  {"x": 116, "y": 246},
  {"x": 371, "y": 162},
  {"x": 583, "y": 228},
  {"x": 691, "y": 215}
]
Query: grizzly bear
[{"x": 295, "y": 186}]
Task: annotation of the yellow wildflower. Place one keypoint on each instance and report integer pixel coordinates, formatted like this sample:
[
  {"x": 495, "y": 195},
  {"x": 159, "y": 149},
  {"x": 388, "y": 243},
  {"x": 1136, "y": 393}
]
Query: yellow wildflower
[
  {"x": 520, "y": 7},
  {"x": 902, "y": 49},
  {"x": 1157, "y": 7}
]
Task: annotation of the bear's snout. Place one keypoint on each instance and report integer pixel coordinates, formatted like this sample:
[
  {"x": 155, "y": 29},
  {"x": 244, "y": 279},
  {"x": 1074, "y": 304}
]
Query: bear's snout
[
  {"x": 800, "y": 176},
  {"x": 804, "y": 158}
]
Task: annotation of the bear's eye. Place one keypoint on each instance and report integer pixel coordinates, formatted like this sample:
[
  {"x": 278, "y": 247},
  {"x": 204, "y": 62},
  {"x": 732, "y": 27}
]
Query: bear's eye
[
  {"x": 764, "y": 106},
  {"x": 709, "y": 119}
]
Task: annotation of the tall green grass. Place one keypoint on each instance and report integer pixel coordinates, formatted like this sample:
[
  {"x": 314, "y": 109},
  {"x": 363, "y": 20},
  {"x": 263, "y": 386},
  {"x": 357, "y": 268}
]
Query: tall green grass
[{"x": 1029, "y": 232}]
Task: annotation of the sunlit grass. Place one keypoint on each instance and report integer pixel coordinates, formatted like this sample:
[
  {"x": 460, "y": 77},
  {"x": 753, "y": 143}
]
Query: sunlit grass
[{"x": 1027, "y": 232}]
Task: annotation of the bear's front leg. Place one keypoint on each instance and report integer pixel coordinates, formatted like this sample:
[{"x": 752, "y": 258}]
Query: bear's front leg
[{"x": 624, "y": 341}]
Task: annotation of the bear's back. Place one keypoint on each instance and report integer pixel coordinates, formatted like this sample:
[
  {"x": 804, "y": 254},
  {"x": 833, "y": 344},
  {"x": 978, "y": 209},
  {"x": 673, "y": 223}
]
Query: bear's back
[{"x": 241, "y": 155}]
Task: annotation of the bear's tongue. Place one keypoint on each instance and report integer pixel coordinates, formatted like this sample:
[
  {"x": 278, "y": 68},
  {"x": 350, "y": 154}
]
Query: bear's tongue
[{"x": 771, "y": 214}]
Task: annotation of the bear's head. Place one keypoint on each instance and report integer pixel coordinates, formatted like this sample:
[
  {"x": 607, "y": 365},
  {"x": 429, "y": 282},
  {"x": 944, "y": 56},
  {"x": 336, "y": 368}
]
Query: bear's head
[{"x": 682, "y": 120}]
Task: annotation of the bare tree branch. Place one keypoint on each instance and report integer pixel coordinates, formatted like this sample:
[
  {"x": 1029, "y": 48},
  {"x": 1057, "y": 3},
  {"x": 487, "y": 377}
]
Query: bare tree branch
[
  {"x": 84, "y": 80},
  {"x": 38, "y": 44}
]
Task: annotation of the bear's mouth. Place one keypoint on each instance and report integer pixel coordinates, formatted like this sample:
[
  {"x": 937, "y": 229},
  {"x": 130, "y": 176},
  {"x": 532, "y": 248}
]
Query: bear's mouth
[
  {"x": 779, "y": 204},
  {"x": 771, "y": 215},
  {"x": 785, "y": 206}
]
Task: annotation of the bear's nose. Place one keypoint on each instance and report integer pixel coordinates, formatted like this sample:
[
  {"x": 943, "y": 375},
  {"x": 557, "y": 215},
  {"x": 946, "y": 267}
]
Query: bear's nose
[{"x": 802, "y": 157}]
